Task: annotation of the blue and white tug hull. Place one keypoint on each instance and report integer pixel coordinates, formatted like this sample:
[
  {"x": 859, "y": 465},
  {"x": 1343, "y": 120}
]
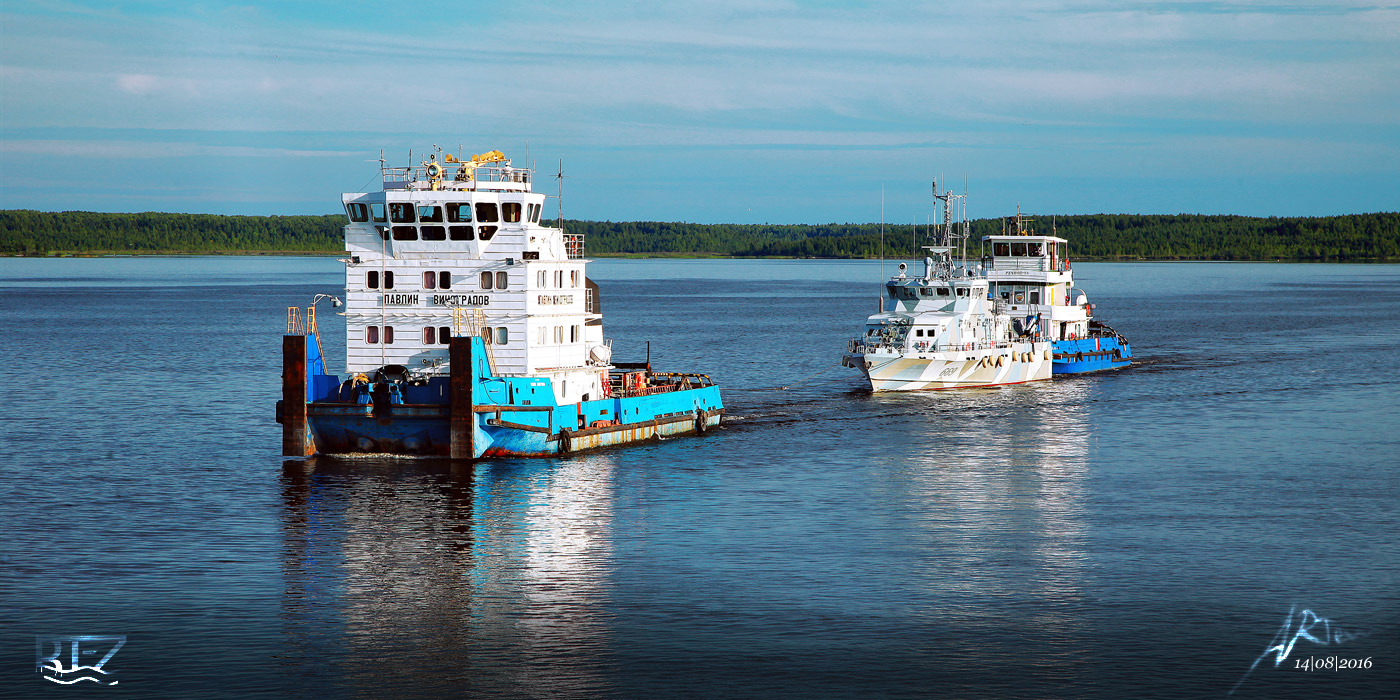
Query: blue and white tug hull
[{"x": 1085, "y": 355}]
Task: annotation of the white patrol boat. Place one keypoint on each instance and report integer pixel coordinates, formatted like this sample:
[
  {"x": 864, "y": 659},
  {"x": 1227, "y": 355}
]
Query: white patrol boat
[
  {"x": 471, "y": 331},
  {"x": 943, "y": 330}
]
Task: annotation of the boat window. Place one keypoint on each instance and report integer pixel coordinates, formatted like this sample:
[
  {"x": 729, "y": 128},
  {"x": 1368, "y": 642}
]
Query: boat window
[
  {"x": 486, "y": 211},
  {"x": 372, "y": 335},
  {"x": 925, "y": 292},
  {"x": 1035, "y": 297},
  {"x": 486, "y": 335},
  {"x": 486, "y": 232},
  {"x": 919, "y": 332},
  {"x": 459, "y": 213},
  {"x": 1018, "y": 250},
  {"x": 401, "y": 212},
  {"x": 962, "y": 291},
  {"x": 430, "y": 335},
  {"x": 502, "y": 335},
  {"x": 943, "y": 291},
  {"x": 558, "y": 335},
  {"x": 1006, "y": 296},
  {"x": 444, "y": 280},
  {"x": 444, "y": 335},
  {"x": 510, "y": 211},
  {"x": 372, "y": 279},
  {"x": 535, "y": 213},
  {"x": 433, "y": 233},
  {"x": 405, "y": 233},
  {"x": 429, "y": 213},
  {"x": 540, "y": 280},
  {"x": 460, "y": 233},
  {"x": 1036, "y": 249},
  {"x": 502, "y": 280},
  {"x": 388, "y": 279},
  {"x": 558, "y": 279},
  {"x": 573, "y": 278},
  {"x": 376, "y": 211},
  {"x": 359, "y": 212},
  {"x": 429, "y": 279},
  {"x": 544, "y": 336},
  {"x": 486, "y": 280},
  {"x": 388, "y": 335},
  {"x": 1001, "y": 249}
]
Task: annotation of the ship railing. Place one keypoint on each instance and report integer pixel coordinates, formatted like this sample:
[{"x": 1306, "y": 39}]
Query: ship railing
[
  {"x": 573, "y": 246},
  {"x": 1016, "y": 264},
  {"x": 856, "y": 347},
  {"x": 404, "y": 177}
]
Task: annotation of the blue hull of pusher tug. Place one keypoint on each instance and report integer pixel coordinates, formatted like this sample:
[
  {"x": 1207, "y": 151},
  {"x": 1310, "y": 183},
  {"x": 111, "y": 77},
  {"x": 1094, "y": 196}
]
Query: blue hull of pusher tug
[
  {"x": 482, "y": 415},
  {"x": 1107, "y": 351}
]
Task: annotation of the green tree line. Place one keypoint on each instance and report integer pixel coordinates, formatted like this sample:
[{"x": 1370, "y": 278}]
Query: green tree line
[{"x": 1091, "y": 236}]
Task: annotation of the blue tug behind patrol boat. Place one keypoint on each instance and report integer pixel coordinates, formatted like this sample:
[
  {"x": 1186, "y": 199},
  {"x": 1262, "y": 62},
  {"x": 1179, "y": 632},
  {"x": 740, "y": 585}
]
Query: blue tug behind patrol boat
[{"x": 1032, "y": 277}]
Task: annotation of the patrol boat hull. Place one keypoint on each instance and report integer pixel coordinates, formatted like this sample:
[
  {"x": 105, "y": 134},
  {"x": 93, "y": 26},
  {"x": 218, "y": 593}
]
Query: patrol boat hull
[{"x": 1016, "y": 364}]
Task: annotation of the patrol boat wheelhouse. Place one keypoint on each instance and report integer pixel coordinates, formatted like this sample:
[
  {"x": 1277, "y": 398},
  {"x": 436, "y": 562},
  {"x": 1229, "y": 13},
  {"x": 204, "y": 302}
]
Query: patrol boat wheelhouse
[
  {"x": 471, "y": 331},
  {"x": 943, "y": 330},
  {"x": 1031, "y": 276}
]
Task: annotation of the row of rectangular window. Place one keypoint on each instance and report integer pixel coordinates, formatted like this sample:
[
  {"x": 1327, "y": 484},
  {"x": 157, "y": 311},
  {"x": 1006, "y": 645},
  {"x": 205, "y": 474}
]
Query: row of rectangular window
[
  {"x": 439, "y": 233},
  {"x": 1031, "y": 249},
  {"x": 455, "y": 212},
  {"x": 574, "y": 334},
  {"x": 433, "y": 279},
  {"x": 542, "y": 279},
  {"x": 437, "y": 335}
]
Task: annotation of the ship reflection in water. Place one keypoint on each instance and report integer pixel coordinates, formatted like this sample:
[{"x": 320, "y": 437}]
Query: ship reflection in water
[
  {"x": 415, "y": 578},
  {"x": 999, "y": 488}
]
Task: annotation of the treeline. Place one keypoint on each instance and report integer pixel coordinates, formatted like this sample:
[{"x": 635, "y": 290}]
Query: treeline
[{"x": 1091, "y": 236}]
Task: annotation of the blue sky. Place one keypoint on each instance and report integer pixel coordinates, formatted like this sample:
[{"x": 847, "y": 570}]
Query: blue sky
[{"x": 779, "y": 112}]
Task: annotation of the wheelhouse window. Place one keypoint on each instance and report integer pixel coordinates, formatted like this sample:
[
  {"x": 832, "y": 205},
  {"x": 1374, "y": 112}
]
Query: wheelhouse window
[
  {"x": 1018, "y": 250},
  {"x": 445, "y": 279},
  {"x": 460, "y": 233},
  {"x": 573, "y": 334},
  {"x": 405, "y": 233},
  {"x": 943, "y": 291},
  {"x": 502, "y": 280},
  {"x": 433, "y": 233},
  {"x": 429, "y": 213},
  {"x": 1035, "y": 249},
  {"x": 372, "y": 279},
  {"x": 510, "y": 212},
  {"x": 486, "y": 211},
  {"x": 358, "y": 212},
  {"x": 430, "y": 280},
  {"x": 486, "y": 232},
  {"x": 486, "y": 280},
  {"x": 962, "y": 291},
  {"x": 376, "y": 212},
  {"x": 1001, "y": 249},
  {"x": 401, "y": 212},
  {"x": 459, "y": 213},
  {"x": 535, "y": 213}
]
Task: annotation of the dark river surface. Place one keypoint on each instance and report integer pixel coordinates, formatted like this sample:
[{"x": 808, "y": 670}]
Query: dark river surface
[{"x": 1140, "y": 534}]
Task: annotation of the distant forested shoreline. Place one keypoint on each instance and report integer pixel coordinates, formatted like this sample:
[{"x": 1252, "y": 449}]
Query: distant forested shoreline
[{"x": 1352, "y": 237}]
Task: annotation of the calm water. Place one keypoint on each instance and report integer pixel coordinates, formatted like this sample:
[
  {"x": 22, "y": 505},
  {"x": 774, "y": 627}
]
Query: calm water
[{"x": 1141, "y": 534}]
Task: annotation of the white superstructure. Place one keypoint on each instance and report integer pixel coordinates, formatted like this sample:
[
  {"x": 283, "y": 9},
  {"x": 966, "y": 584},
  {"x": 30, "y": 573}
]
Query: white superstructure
[
  {"x": 1031, "y": 276},
  {"x": 455, "y": 246},
  {"x": 944, "y": 330}
]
